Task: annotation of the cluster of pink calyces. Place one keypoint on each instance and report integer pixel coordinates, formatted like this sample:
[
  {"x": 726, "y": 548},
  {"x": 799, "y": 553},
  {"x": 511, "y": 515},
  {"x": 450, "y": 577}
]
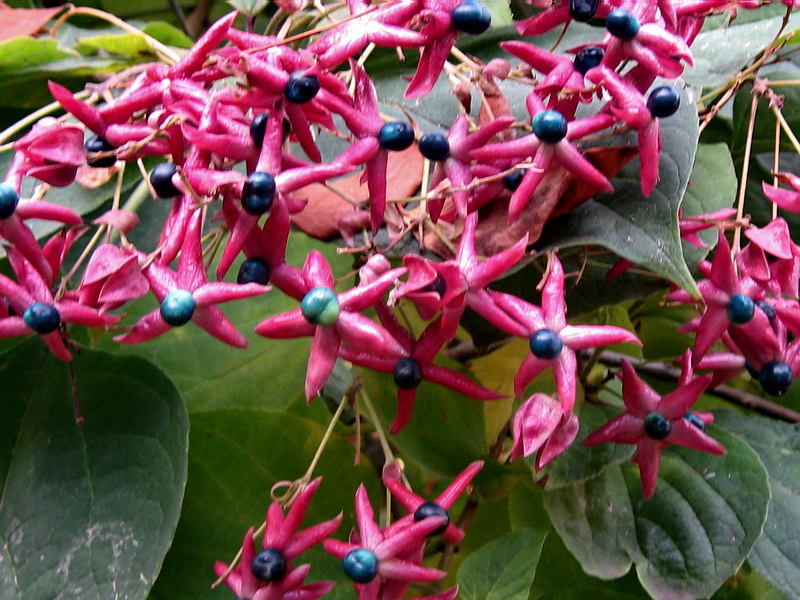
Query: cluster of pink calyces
[{"x": 238, "y": 97}]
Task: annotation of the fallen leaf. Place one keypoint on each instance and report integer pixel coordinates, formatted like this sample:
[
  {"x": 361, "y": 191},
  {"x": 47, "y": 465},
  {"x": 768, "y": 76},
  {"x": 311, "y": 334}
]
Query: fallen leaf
[{"x": 328, "y": 203}]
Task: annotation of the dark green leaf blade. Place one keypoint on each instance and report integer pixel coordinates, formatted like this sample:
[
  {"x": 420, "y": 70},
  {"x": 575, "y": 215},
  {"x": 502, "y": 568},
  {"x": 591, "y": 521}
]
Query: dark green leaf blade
[
  {"x": 503, "y": 569},
  {"x": 88, "y": 511}
]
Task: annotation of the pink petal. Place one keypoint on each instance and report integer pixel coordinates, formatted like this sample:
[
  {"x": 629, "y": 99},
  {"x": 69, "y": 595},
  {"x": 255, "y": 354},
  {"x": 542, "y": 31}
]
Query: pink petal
[{"x": 324, "y": 350}]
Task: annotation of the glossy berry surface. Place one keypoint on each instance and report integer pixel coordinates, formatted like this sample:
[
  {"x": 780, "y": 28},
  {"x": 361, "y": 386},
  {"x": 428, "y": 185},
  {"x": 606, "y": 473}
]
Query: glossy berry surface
[
  {"x": 98, "y": 144},
  {"x": 8, "y": 200},
  {"x": 396, "y": 135},
  {"x": 663, "y": 102},
  {"x": 471, "y": 17},
  {"x": 583, "y": 10},
  {"x": 320, "y": 306},
  {"x": 178, "y": 307},
  {"x": 360, "y": 565},
  {"x": 254, "y": 270},
  {"x": 588, "y": 58},
  {"x": 657, "y": 426},
  {"x": 768, "y": 310},
  {"x": 161, "y": 180},
  {"x": 42, "y": 318},
  {"x": 623, "y": 24},
  {"x": 258, "y": 193},
  {"x": 694, "y": 419},
  {"x": 550, "y": 126},
  {"x": 407, "y": 373},
  {"x": 741, "y": 309},
  {"x": 269, "y": 565},
  {"x": 258, "y": 128},
  {"x": 434, "y": 146},
  {"x": 438, "y": 285},
  {"x": 776, "y": 378},
  {"x": 546, "y": 343},
  {"x": 431, "y": 509},
  {"x": 301, "y": 88},
  {"x": 512, "y": 181}
]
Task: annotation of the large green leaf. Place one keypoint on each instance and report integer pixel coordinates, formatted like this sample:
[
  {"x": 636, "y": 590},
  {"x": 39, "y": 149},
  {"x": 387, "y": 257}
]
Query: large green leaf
[
  {"x": 236, "y": 457},
  {"x": 641, "y": 229},
  {"x": 694, "y": 533},
  {"x": 503, "y": 569},
  {"x": 776, "y": 554},
  {"x": 88, "y": 510}
]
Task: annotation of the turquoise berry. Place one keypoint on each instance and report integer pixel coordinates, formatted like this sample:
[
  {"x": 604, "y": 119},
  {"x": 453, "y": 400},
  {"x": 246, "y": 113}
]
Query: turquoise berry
[
  {"x": 663, "y": 101},
  {"x": 741, "y": 309},
  {"x": 301, "y": 88},
  {"x": 471, "y": 17},
  {"x": 8, "y": 200},
  {"x": 583, "y": 10},
  {"x": 407, "y": 373},
  {"x": 258, "y": 193},
  {"x": 623, "y": 24},
  {"x": 776, "y": 378},
  {"x": 320, "y": 306},
  {"x": 161, "y": 180},
  {"x": 254, "y": 270},
  {"x": 434, "y": 146},
  {"x": 550, "y": 126},
  {"x": 42, "y": 318},
  {"x": 694, "y": 419},
  {"x": 546, "y": 343},
  {"x": 657, "y": 426},
  {"x": 360, "y": 565},
  {"x": 588, "y": 58},
  {"x": 396, "y": 135},
  {"x": 178, "y": 307},
  {"x": 431, "y": 509},
  {"x": 98, "y": 144},
  {"x": 269, "y": 565}
]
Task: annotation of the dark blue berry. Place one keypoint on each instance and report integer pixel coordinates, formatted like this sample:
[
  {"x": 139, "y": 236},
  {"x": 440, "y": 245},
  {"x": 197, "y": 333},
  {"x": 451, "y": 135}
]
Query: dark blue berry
[
  {"x": 768, "y": 310},
  {"x": 360, "y": 565},
  {"x": 741, "y": 309},
  {"x": 431, "y": 509},
  {"x": 258, "y": 193},
  {"x": 396, "y": 135},
  {"x": 588, "y": 58},
  {"x": 550, "y": 126},
  {"x": 320, "y": 306},
  {"x": 178, "y": 307},
  {"x": 407, "y": 373},
  {"x": 694, "y": 419},
  {"x": 434, "y": 146},
  {"x": 161, "y": 180},
  {"x": 254, "y": 270},
  {"x": 42, "y": 318},
  {"x": 513, "y": 180},
  {"x": 269, "y": 565},
  {"x": 258, "y": 128},
  {"x": 438, "y": 285},
  {"x": 663, "y": 101},
  {"x": 546, "y": 343},
  {"x": 98, "y": 144},
  {"x": 776, "y": 378},
  {"x": 583, "y": 10},
  {"x": 657, "y": 426},
  {"x": 623, "y": 24},
  {"x": 301, "y": 88},
  {"x": 471, "y": 17},
  {"x": 8, "y": 200}
]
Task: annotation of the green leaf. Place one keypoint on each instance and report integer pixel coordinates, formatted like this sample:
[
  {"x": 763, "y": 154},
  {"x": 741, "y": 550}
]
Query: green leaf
[
  {"x": 249, "y": 7},
  {"x": 88, "y": 510},
  {"x": 503, "y": 569},
  {"x": 236, "y": 457},
  {"x": 776, "y": 554},
  {"x": 694, "y": 533},
  {"x": 595, "y": 593},
  {"x": 167, "y": 34},
  {"x": 719, "y": 54},
  {"x": 642, "y": 230}
]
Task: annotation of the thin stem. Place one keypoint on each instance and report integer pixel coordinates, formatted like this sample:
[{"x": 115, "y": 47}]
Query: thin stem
[
  {"x": 181, "y": 16},
  {"x": 786, "y": 128},
  {"x": 748, "y": 148},
  {"x": 373, "y": 416},
  {"x": 326, "y": 437},
  {"x": 776, "y": 164},
  {"x": 33, "y": 118}
]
